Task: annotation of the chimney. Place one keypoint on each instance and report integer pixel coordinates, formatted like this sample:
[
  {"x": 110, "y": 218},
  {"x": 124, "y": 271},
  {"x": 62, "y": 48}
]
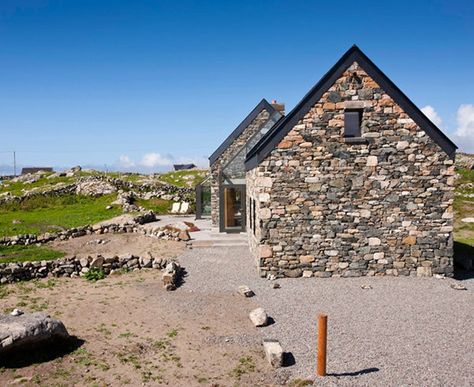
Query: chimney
[{"x": 279, "y": 107}]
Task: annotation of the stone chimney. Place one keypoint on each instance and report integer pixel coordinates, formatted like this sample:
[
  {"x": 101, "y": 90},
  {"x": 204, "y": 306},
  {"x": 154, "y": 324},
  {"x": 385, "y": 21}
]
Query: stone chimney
[{"x": 279, "y": 107}]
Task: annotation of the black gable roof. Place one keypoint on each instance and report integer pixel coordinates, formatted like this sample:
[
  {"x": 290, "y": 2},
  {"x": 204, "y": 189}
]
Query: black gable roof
[
  {"x": 354, "y": 54},
  {"x": 263, "y": 105}
]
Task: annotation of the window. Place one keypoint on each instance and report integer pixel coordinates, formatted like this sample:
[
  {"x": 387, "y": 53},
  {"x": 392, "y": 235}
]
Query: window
[{"x": 352, "y": 121}]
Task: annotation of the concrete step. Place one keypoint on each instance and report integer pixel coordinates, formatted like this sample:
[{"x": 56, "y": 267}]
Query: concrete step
[{"x": 224, "y": 243}]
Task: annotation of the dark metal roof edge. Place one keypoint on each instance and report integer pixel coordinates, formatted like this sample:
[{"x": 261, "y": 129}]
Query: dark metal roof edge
[
  {"x": 263, "y": 104},
  {"x": 406, "y": 104},
  {"x": 274, "y": 136}
]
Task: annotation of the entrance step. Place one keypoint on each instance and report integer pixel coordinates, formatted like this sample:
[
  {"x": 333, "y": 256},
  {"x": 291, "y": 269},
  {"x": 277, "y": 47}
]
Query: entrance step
[{"x": 219, "y": 240}]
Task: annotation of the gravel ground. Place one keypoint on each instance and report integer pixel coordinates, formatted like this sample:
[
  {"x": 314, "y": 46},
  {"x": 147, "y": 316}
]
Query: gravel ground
[{"x": 401, "y": 332}]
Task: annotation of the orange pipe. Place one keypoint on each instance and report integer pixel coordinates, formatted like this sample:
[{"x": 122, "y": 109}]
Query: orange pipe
[{"x": 322, "y": 342}]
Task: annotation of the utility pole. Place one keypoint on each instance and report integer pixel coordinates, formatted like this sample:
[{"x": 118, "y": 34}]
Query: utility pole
[{"x": 14, "y": 163}]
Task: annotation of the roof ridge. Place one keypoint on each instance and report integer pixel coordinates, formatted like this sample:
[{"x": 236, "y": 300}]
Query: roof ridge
[
  {"x": 263, "y": 104},
  {"x": 353, "y": 54}
]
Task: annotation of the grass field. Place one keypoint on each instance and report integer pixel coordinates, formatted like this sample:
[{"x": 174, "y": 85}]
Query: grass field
[
  {"x": 463, "y": 208},
  {"x": 18, "y": 187},
  {"x": 28, "y": 254},
  {"x": 39, "y": 215},
  {"x": 158, "y": 206},
  {"x": 188, "y": 178}
]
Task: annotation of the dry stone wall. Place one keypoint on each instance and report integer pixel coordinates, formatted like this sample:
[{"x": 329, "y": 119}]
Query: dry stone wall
[
  {"x": 133, "y": 226},
  {"x": 227, "y": 155},
  {"x": 382, "y": 206},
  {"x": 102, "y": 185},
  {"x": 77, "y": 267}
]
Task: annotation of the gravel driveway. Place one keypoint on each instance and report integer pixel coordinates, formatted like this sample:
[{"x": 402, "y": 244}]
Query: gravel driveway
[{"x": 402, "y": 331}]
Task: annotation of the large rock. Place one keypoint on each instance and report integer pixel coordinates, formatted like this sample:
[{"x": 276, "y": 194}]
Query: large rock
[
  {"x": 29, "y": 329},
  {"x": 259, "y": 317},
  {"x": 273, "y": 352}
]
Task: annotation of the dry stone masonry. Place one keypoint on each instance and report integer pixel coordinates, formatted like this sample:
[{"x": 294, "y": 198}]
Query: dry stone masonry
[
  {"x": 129, "y": 226},
  {"x": 77, "y": 266},
  {"x": 380, "y": 205}
]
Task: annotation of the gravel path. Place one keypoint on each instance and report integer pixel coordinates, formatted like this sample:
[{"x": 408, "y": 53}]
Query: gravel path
[{"x": 401, "y": 332}]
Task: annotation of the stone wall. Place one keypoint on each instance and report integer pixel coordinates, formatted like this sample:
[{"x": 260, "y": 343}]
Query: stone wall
[
  {"x": 103, "y": 185},
  {"x": 77, "y": 267},
  {"x": 328, "y": 207},
  {"x": 132, "y": 226},
  {"x": 227, "y": 155}
]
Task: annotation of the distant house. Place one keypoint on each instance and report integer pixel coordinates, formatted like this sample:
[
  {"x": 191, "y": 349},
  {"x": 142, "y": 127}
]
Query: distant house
[
  {"x": 28, "y": 170},
  {"x": 183, "y": 167},
  {"x": 355, "y": 180}
]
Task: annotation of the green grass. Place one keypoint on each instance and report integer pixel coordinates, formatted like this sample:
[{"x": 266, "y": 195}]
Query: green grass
[
  {"x": 463, "y": 208},
  {"x": 158, "y": 206},
  {"x": 465, "y": 176},
  {"x": 39, "y": 214},
  {"x": 179, "y": 178},
  {"x": 17, "y": 188},
  {"x": 28, "y": 254}
]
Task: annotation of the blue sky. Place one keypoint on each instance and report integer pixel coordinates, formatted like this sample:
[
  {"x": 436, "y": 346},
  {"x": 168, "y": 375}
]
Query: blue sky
[{"x": 139, "y": 84}]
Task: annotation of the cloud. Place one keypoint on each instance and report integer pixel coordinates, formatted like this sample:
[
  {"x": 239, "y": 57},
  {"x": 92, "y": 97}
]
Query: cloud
[
  {"x": 431, "y": 113},
  {"x": 126, "y": 162},
  {"x": 151, "y": 160},
  {"x": 155, "y": 161},
  {"x": 464, "y": 134}
]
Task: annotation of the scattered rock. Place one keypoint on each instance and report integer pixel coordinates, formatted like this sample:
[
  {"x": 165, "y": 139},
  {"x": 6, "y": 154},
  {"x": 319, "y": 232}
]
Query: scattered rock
[
  {"x": 365, "y": 286},
  {"x": 16, "y": 221},
  {"x": 108, "y": 207},
  {"x": 458, "y": 286},
  {"x": 273, "y": 352},
  {"x": 171, "y": 275},
  {"x": 246, "y": 291},
  {"x": 20, "y": 332},
  {"x": 467, "y": 220},
  {"x": 17, "y": 312},
  {"x": 259, "y": 317},
  {"x": 184, "y": 235},
  {"x": 276, "y": 285}
]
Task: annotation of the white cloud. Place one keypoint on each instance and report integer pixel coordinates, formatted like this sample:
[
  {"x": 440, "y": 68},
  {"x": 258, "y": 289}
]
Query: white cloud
[
  {"x": 432, "y": 114},
  {"x": 125, "y": 161},
  {"x": 151, "y": 160},
  {"x": 465, "y": 118},
  {"x": 464, "y": 135}
]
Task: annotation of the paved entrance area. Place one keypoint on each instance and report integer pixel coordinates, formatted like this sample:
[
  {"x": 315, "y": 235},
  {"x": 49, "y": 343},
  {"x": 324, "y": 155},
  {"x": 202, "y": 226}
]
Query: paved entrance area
[{"x": 392, "y": 332}]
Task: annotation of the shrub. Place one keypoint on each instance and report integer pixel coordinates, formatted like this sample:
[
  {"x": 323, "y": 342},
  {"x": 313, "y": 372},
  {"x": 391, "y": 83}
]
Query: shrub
[{"x": 94, "y": 274}]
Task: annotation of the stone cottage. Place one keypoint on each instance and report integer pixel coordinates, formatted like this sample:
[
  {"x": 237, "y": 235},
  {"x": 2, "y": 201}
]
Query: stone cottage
[{"x": 354, "y": 181}]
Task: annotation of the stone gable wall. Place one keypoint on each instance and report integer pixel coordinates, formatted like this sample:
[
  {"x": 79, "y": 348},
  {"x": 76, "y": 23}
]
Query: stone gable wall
[
  {"x": 227, "y": 155},
  {"x": 331, "y": 208}
]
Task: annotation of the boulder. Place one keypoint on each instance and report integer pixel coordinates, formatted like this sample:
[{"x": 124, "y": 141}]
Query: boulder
[
  {"x": 97, "y": 262},
  {"x": 171, "y": 275},
  {"x": 259, "y": 317},
  {"x": 273, "y": 352},
  {"x": 23, "y": 331}
]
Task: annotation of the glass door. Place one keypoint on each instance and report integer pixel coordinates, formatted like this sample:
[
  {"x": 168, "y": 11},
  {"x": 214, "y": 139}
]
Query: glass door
[{"x": 232, "y": 205}]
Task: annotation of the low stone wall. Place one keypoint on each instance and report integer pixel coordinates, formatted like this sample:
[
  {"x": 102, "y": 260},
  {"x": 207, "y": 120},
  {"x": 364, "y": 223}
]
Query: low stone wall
[
  {"x": 77, "y": 267},
  {"x": 103, "y": 185},
  {"x": 166, "y": 233},
  {"x": 55, "y": 190},
  {"x": 145, "y": 190}
]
